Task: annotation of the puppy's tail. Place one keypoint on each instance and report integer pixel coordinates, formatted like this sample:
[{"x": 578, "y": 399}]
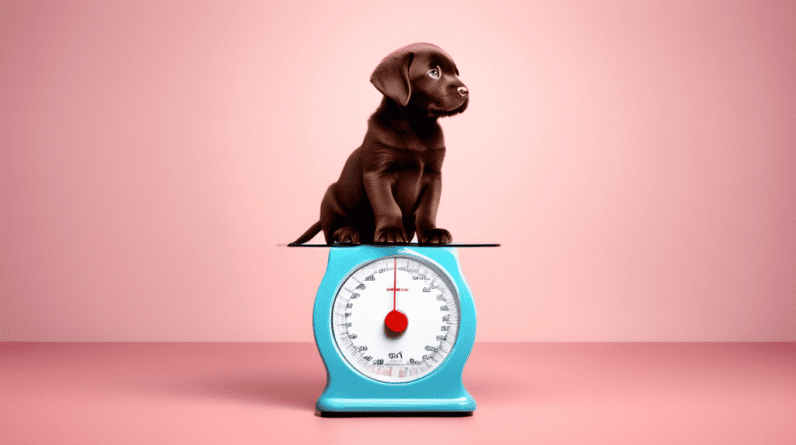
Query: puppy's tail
[{"x": 311, "y": 232}]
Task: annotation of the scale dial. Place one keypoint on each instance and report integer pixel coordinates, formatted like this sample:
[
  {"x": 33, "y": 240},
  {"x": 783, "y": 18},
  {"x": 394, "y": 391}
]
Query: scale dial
[{"x": 396, "y": 319}]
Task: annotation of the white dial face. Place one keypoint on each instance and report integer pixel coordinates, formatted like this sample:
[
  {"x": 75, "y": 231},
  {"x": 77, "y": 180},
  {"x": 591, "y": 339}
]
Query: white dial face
[{"x": 396, "y": 319}]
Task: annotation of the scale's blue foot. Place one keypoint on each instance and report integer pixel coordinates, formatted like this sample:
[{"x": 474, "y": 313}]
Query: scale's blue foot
[{"x": 464, "y": 404}]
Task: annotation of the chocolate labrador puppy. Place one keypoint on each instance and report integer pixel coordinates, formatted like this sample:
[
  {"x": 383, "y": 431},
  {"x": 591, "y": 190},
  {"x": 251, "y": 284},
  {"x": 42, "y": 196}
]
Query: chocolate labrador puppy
[{"x": 390, "y": 185}]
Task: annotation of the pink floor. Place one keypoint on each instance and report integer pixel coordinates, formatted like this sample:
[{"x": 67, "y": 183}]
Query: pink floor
[{"x": 535, "y": 393}]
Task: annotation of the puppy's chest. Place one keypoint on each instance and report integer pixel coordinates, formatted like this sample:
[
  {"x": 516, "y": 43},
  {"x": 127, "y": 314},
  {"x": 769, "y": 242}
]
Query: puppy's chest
[
  {"x": 406, "y": 189},
  {"x": 413, "y": 165},
  {"x": 411, "y": 173}
]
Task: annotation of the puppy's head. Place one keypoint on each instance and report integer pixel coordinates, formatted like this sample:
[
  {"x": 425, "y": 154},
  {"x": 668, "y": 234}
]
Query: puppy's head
[{"x": 422, "y": 77}]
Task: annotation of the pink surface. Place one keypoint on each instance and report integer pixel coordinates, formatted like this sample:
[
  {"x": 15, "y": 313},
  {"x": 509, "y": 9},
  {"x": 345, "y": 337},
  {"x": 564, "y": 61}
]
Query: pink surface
[
  {"x": 635, "y": 158},
  {"x": 617, "y": 393}
]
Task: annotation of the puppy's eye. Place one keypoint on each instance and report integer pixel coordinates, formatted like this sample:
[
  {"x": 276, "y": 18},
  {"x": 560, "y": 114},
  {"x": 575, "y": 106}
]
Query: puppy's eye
[{"x": 434, "y": 73}]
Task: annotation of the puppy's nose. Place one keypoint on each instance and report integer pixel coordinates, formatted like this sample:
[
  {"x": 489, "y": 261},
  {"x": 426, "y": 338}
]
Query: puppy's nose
[{"x": 462, "y": 91}]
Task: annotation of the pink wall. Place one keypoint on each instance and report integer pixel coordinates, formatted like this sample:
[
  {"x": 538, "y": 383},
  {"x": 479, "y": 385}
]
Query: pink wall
[{"x": 636, "y": 160}]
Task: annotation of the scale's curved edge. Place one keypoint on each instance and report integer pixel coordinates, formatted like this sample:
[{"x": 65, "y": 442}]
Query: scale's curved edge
[{"x": 393, "y": 245}]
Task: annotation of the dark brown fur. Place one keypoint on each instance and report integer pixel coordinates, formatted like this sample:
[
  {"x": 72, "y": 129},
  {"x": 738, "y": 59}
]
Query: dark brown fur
[{"x": 390, "y": 186}]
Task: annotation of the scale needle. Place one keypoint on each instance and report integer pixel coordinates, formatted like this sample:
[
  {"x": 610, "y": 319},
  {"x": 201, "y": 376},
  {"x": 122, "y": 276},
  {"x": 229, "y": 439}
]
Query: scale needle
[{"x": 396, "y": 320}]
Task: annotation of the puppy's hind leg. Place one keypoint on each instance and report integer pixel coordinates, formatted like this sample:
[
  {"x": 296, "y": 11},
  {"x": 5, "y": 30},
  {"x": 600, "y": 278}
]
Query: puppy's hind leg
[
  {"x": 337, "y": 226},
  {"x": 346, "y": 235}
]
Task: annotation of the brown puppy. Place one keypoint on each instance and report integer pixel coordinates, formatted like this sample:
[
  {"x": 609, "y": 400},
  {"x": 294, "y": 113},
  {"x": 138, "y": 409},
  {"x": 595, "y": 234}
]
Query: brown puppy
[{"x": 390, "y": 185}]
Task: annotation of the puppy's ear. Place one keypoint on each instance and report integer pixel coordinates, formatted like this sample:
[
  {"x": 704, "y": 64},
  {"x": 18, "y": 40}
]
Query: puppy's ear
[{"x": 391, "y": 77}]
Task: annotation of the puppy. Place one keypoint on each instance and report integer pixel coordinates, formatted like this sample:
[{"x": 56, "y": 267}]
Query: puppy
[{"x": 390, "y": 186}]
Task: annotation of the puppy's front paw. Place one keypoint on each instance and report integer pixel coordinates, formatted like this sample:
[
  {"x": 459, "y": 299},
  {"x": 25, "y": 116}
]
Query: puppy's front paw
[
  {"x": 346, "y": 235},
  {"x": 390, "y": 235},
  {"x": 435, "y": 236}
]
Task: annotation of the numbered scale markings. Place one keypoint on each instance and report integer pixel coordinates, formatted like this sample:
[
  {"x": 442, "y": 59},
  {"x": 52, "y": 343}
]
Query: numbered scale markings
[{"x": 395, "y": 319}]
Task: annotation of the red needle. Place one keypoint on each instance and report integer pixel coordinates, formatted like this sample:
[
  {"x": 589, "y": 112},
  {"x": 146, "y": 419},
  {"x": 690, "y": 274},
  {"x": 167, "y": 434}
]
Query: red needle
[
  {"x": 394, "y": 282},
  {"x": 396, "y": 320}
]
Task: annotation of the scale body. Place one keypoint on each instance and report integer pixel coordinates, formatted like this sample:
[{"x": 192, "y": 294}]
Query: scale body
[{"x": 372, "y": 369}]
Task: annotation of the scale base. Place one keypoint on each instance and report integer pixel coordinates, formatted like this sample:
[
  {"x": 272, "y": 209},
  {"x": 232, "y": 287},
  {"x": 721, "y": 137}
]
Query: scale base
[
  {"x": 393, "y": 414},
  {"x": 464, "y": 405}
]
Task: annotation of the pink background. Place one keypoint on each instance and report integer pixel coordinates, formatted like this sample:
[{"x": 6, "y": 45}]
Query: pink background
[{"x": 635, "y": 159}]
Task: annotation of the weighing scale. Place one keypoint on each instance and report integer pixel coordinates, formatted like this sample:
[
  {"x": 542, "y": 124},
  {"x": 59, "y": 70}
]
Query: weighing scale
[{"x": 394, "y": 324}]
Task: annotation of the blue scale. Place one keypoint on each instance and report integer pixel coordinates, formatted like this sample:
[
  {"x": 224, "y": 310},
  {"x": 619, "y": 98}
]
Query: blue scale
[{"x": 394, "y": 325}]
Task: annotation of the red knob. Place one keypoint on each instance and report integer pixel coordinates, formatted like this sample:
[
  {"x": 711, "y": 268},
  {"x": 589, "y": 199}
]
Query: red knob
[{"x": 396, "y": 321}]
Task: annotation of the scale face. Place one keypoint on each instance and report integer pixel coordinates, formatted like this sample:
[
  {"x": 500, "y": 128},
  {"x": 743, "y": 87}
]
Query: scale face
[
  {"x": 385, "y": 348},
  {"x": 394, "y": 326}
]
